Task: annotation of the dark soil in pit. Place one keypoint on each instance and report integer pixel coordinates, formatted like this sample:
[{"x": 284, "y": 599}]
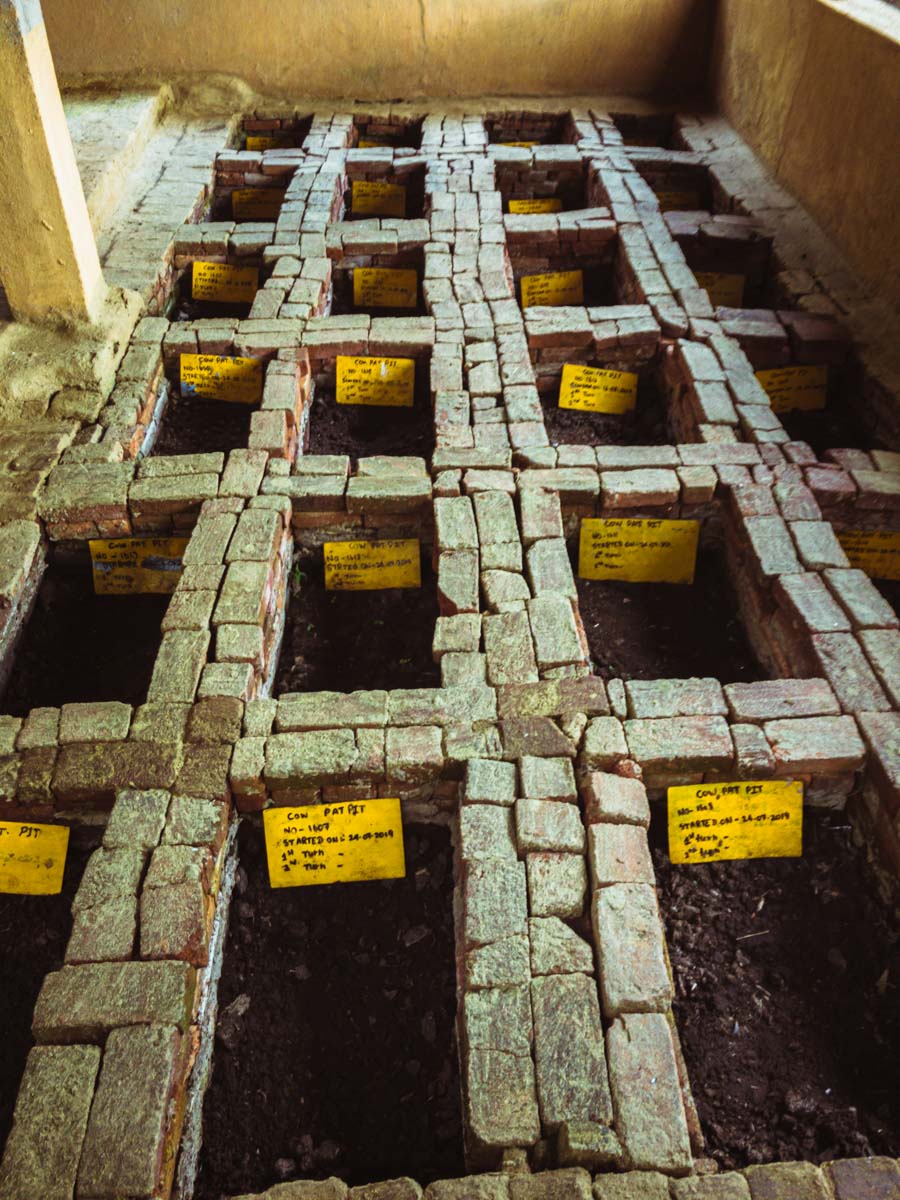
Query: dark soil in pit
[
  {"x": 787, "y": 974},
  {"x": 668, "y": 630},
  {"x": 828, "y": 428},
  {"x": 645, "y": 425},
  {"x": 193, "y": 426},
  {"x": 79, "y": 647},
  {"x": 34, "y": 931},
  {"x": 362, "y": 430},
  {"x": 334, "y": 1050},
  {"x": 890, "y": 589},
  {"x": 356, "y": 641}
]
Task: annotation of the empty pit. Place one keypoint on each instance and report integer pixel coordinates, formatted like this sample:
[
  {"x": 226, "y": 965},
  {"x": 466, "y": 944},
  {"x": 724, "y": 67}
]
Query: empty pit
[
  {"x": 383, "y": 296},
  {"x": 667, "y": 630},
  {"x": 785, "y": 973},
  {"x": 34, "y": 931},
  {"x": 563, "y": 185},
  {"x": 274, "y": 133},
  {"x": 362, "y": 430},
  {"x": 731, "y": 256},
  {"x": 534, "y": 128},
  {"x": 400, "y": 133},
  {"x": 335, "y": 1052},
  {"x": 677, "y": 186},
  {"x": 347, "y": 641},
  {"x": 364, "y": 201},
  {"x": 840, "y": 423},
  {"x": 648, "y": 129},
  {"x": 79, "y": 647}
]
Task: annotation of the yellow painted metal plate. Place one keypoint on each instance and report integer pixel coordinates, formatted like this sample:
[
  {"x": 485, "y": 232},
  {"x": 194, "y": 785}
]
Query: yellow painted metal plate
[
  {"x": 637, "y": 550},
  {"x": 594, "y": 389},
  {"x": 216, "y": 377},
  {"x": 385, "y": 382},
  {"x": 32, "y": 858},
  {"x": 716, "y": 821},
  {"x": 371, "y": 566},
  {"x": 133, "y": 566},
  {"x": 334, "y": 843}
]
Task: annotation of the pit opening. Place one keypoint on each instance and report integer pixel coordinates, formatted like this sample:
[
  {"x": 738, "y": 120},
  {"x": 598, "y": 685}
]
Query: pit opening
[
  {"x": 842, "y": 422},
  {"x": 538, "y": 128},
  {"x": 736, "y": 247},
  {"x": 783, "y": 998},
  {"x": 399, "y": 132},
  {"x": 677, "y": 186},
  {"x": 348, "y": 641},
  {"x": 259, "y": 204},
  {"x": 261, "y": 132},
  {"x": 362, "y": 430},
  {"x": 34, "y": 931},
  {"x": 411, "y": 180},
  {"x": 191, "y": 424},
  {"x": 337, "y": 1003},
  {"x": 80, "y": 647},
  {"x": 566, "y": 184},
  {"x": 185, "y": 307},
  {"x": 668, "y": 630},
  {"x": 376, "y": 296},
  {"x": 600, "y": 283},
  {"x": 646, "y": 424},
  {"x": 648, "y": 129}
]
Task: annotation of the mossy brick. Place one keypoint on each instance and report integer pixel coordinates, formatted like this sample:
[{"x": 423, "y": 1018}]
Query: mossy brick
[
  {"x": 457, "y": 582},
  {"x": 159, "y": 721},
  {"x": 786, "y": 1181},
  {"x": 167, "y": 465},
  {"x": 486, "y": 831},
  {"x": 841, "y": 659},
  {"x": 179, "y": 664},
  {"x": 876, "y": 1178},
  {"x": 499, "y": 964},
  {"x": 771, "y": 699},
  {"x": 815, "y": 745},
  {"x": 630, "y": 945},
  {"x": 189, "y": 609},
  {"x": 170, "y": 494},
  {"x": 34, "y": 784},
  {"x": 402, "y": 1188},
  {"x": 413, "y": 754},
  {"x": 175, "y": 864},
  {"x": 501, "y": 1102},
  {"x": 94, "y": 722},
  {"x": 19, "y": 543},
  {"x": 243, "y": 473},
  {"x": 455, "y": 524},
  {"x": 496, "y": 518},
  {"x": 569, "y": 1183},
  {"x": 555, "y": 633},
  {"x": 504, "y": 590},
  {"x": 488, "y": 781},
  {"x": 604, "y": 743},
  {"x": 441, "y": 706},
  {"x": 548, "y": 568},
  {"x": 509, "y": 648},
  {"x": 309, "y": 759},
  {"x": 556, "y": 949},
  {"x": 248, "y": 764},
  {"x": 401, "y": 494},
  {"x": 83, "y": 1003},
  {"x": 256, "y": 537},
  {"x": 541, "y": 515},
  {"x": 125, "y": 1151},
  {"x": 633, "y": 1185},
  {"x": 303, "y": 1189},
  {"x": 240, "y": 644},
  {"x": 51, "y": 1116},
  {"x": 547, "y": 779},
  {"x": 209, "y": 540},
  {"x": 9, "y": 773},
  {"x": 9, "y": 732},
  {"x": 243, "y": 598},
  {"x": 108, "y": 875},
  {"x": 144, "y": 766},
  {"x": 103, "y": 933},
  {"x": 494, "y": 901},
  {"x": 557, "y": 884},
  {"x": 553, "y": 698},
  {"x": 460, "y": 634},
  {"x": 233, "y": 680},
  {"x": 259, "y": 717},
  {"x": 615, "y": 799},
  {"x": 329, "y": 710},
  {"x": 204, "y": 772},
  {"x": 729, "y": 1186},
  {"x": 861, "y": 600},
  {"x": 39, "y": 728},
  {"x": 539, "y": 736},
  {"x": 195, "y": 821},
  {"x": 472, "y": 1187},
  {"x": 548, "y": 825},
  {"x": 175, "y": 922},
  {"x": 86, "y": 492},
  {"x": 688, "y": 744},
  {"x": 674, "y": 698},
  {"x": 569, "y": 1054},
  {"x": 216, "y": 720},
  {"x": 501, "y": 556}
]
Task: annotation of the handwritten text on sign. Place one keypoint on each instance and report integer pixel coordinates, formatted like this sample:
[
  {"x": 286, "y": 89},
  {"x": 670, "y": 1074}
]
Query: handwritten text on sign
[
  {"x": 256, "y": 204},
  {"x": 795, "y": 387},
  {"x": 558, "y": 287},
  {"x": 225, "y": 285},
  {"x": 675, "y": 198},
  {"x": 268, "y": 141},
  {"x": 126, "y": 566},
  {"x": 214, "y": 377},
  {"x": 593, "y": 389},
  {"x": 724, "y": 290},
  {"x": 370, "y": 566},
  {"x": 334, "y": 843},
  {"x": 541, "y": 204},
  {"x": 715, "y": 821},
  {"x": 385, "y": 287},
  {"x": 638, "y": 551},
  {"x": 388, "y": 382},
  {"x": 875, "y": 551},
  {"x": 32, "y": 858},
  {"x": 378, "y": 199}
]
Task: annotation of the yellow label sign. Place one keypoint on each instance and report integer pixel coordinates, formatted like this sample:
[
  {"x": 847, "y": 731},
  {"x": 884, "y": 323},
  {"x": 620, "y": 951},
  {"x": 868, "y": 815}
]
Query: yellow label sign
[
  {"x": 637, "y": 550},
  {"x": 875, "y": 551},
  {"x": 268, "y": 141},
  {"x": 378, "y": 199},
  {"x": 126, "y": 566},
  {"x": 795, "y": 387},
  {"x": 725, "y": 291},
  {"x": 386, "y": 382},
  {"x": 385, "y": 287},
  {"x": 32, "y": 858},
  {"x": 525, "y": 145},
  {"x": 559, "y": 287},
  {"x": 541, "y": 204},
  {"x": 374, "y": 141},
  {"x": 593, "y": 389},
  {"x": 215, "y": 377},
  {"x": 370, "y": 566},
  {"x": 334, "y": 843},
  {"x": 256, "y": 204},
  {"x": 226, "y": 285},
  {"x": 675, "y": 198},
  {"x": 716, "y": 821}
]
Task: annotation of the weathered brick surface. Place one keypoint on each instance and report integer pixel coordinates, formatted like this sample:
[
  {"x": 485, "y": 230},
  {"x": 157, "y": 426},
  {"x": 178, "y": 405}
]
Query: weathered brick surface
[
  {"x": 81, "y": 1004},
  {"x": 628, "y": 937}
]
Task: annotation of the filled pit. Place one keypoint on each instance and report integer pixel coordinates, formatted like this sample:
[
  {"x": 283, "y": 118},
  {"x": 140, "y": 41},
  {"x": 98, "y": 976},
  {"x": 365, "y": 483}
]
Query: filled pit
[
  {"x": 196, "y": 297},
  {"x": 78, "y": 646},
  {"x": 842, "y": 421},
  {"x": 347, "y": 641},
  {"x": 389, "y": 285},
  {"x": 529, "y": 128},
  {"x": 361, "y": 430},
  {"x": 399, "y": 193},
  {"x": 196, "y": 424},
  {"x": 646, "y": 423},
  {"x": 34, "y": 931},
  {"x": 786, "y": 973},
  {"x": 334, "y": 1051},
  {"x": 667, "y": 630}
]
